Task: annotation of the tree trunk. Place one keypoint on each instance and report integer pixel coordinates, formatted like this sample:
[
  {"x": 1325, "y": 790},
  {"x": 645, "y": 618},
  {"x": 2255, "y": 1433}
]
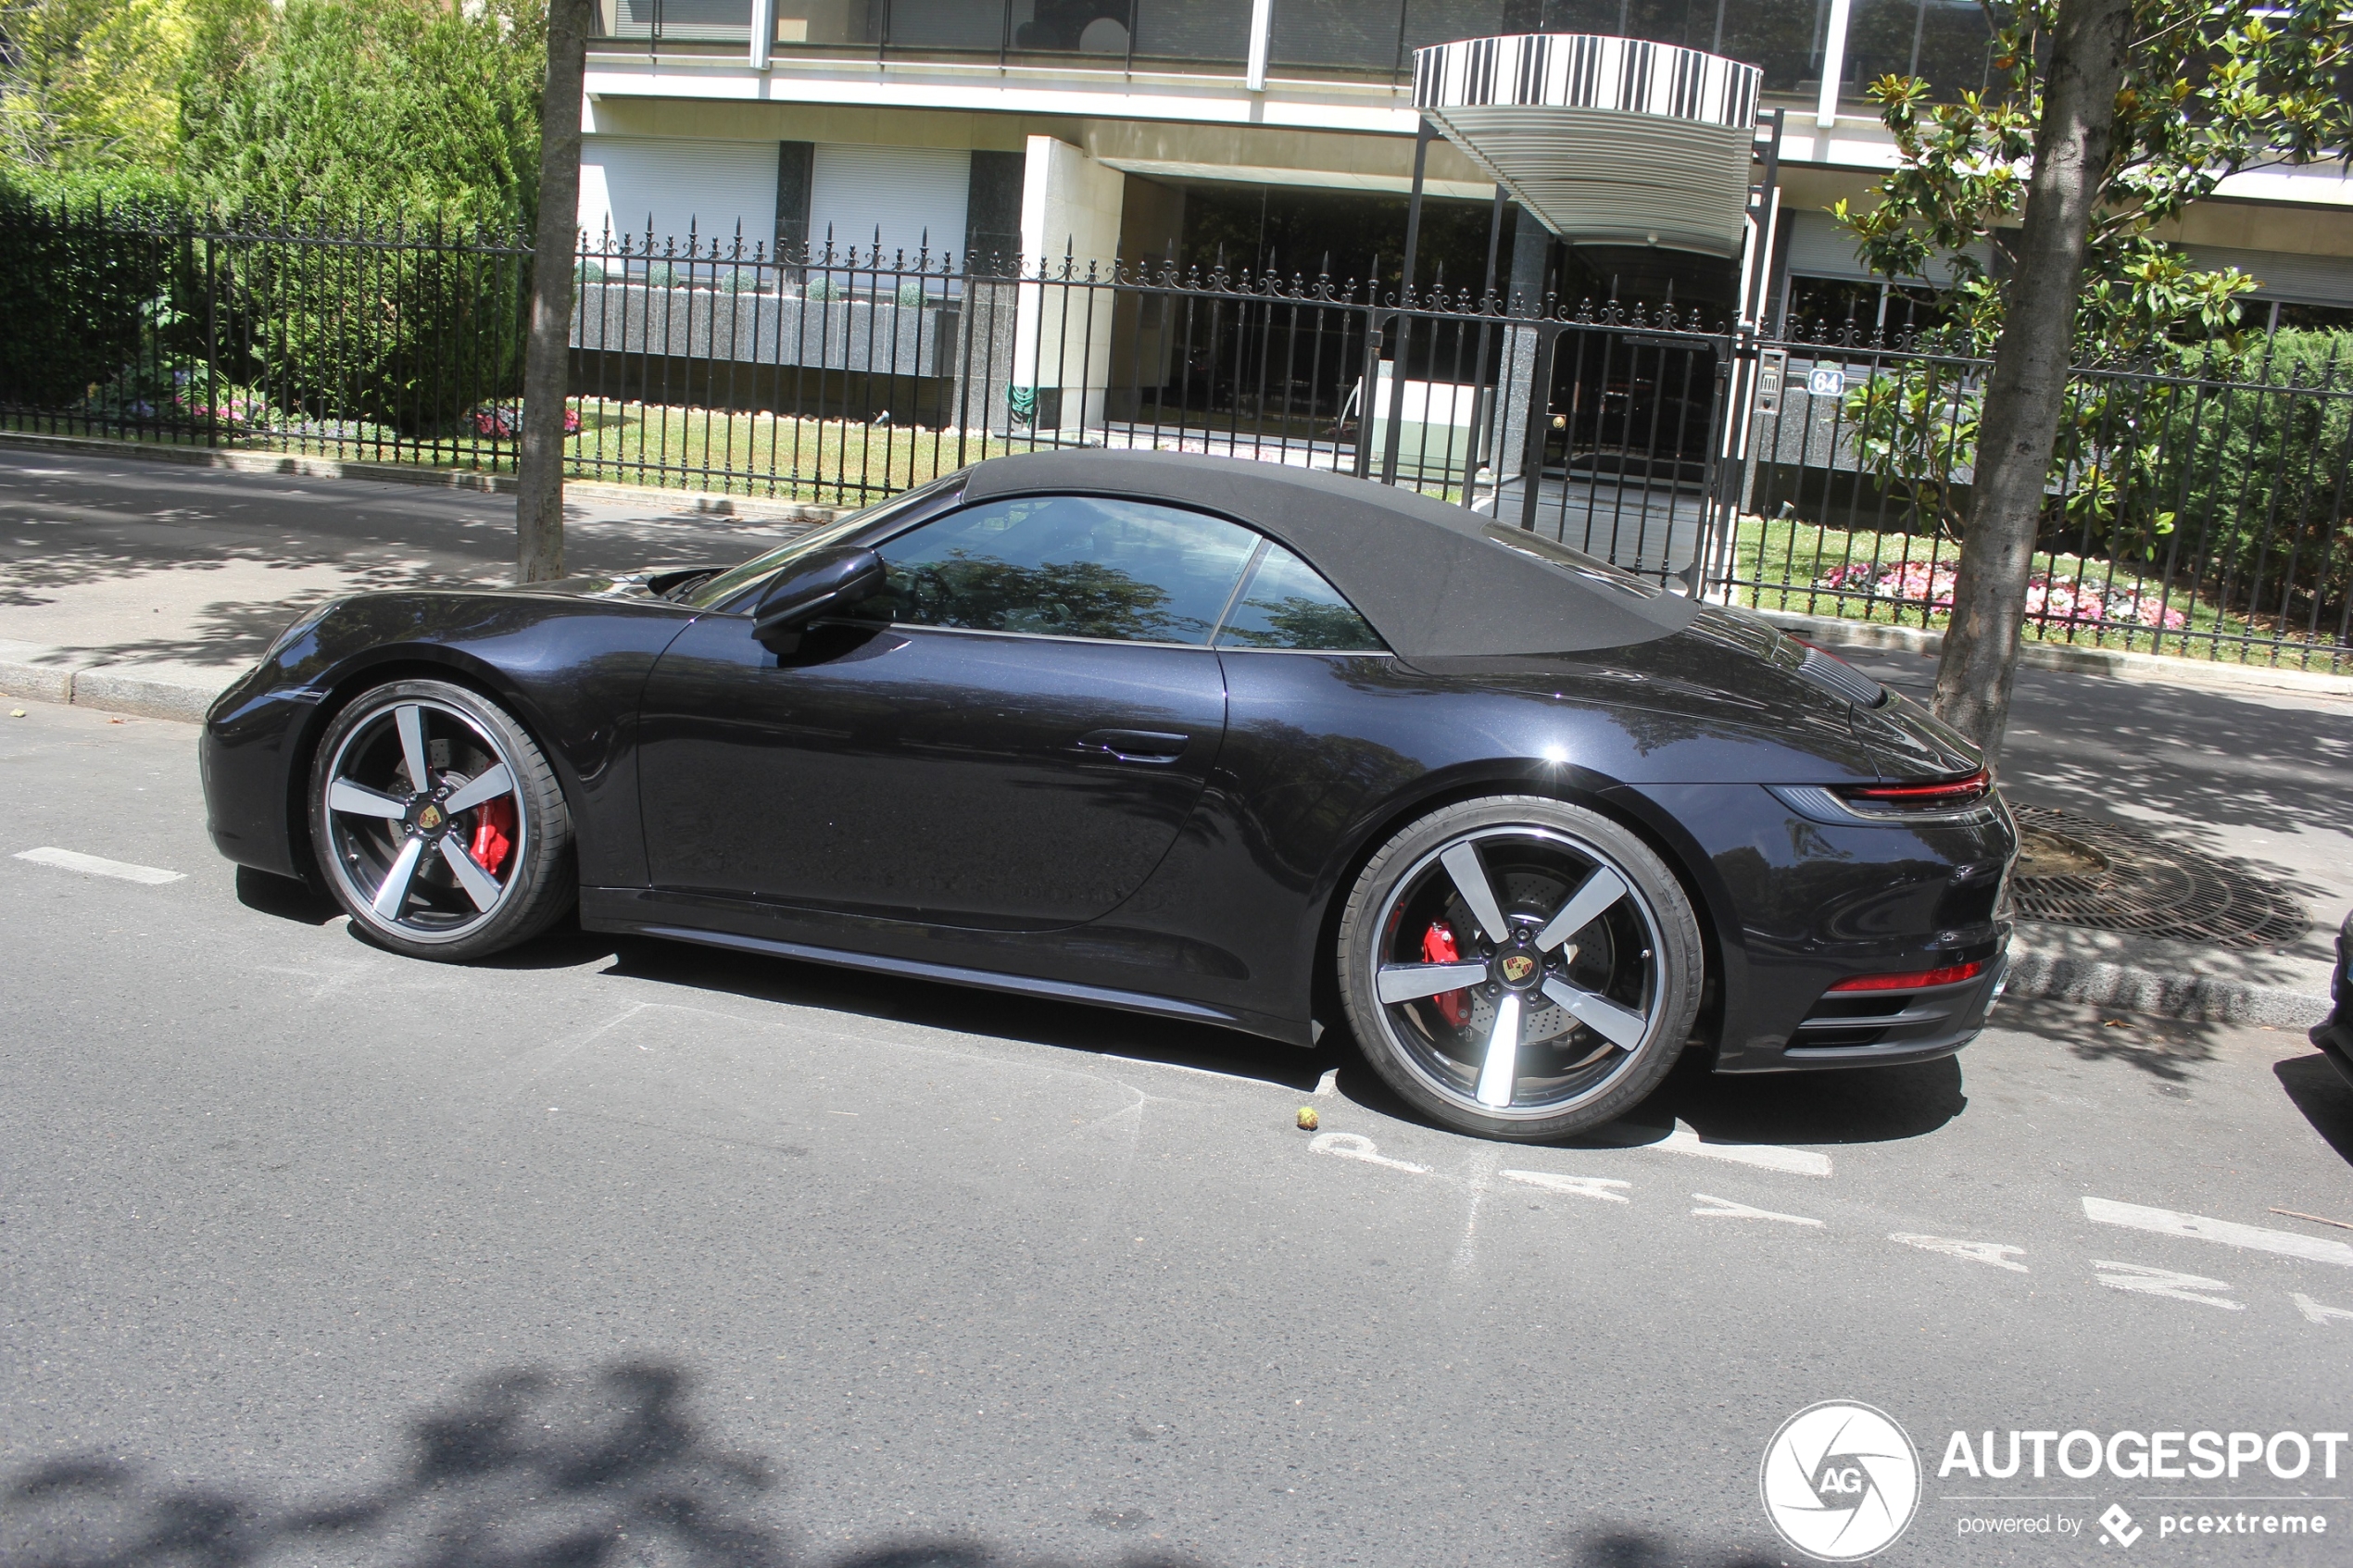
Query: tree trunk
[
  {"x": 540, "y": 479},
  {"x": 2027, "y": 391}
]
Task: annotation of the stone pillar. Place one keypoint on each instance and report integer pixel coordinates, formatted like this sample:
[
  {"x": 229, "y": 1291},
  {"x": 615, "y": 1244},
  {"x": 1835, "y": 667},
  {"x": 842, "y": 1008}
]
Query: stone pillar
[
  {"x": 982, "y": 345},
  {"x": 1070, "y": 212},
  {"x": 1531, "y": 248}
]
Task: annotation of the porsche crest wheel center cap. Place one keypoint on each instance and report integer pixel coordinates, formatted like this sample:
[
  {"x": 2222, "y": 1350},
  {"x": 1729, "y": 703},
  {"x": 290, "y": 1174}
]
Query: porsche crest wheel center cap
[
  {"x": 1519, "y": 971},
  {"x": 428, "y": 816}
]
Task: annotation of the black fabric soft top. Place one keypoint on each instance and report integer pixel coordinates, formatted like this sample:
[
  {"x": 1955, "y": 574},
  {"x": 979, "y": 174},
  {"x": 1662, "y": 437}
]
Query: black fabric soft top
[{"x": 1425, "y": 573}]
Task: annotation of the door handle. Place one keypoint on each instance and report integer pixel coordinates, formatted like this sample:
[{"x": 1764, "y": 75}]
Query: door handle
[{"x": 1155, "y": 747}]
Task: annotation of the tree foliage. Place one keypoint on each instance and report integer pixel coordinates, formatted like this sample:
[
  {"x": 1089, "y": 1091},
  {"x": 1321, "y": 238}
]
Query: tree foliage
[
  {"x": 91, "y": 84},
  {"x": 2212, "y": 88},
  {"x": 370, "y": 107},
  {"x": 351, "y": 108}
]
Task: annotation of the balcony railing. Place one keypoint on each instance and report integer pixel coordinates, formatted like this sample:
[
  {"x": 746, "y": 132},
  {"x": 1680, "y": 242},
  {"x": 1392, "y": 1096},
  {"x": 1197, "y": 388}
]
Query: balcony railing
[{"x": 1794, "y": 42}]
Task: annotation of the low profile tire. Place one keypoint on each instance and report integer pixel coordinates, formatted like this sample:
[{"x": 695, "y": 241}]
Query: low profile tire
[
  {"x": 1519, "y": 968},
  {"x": 438, "y": 825}
]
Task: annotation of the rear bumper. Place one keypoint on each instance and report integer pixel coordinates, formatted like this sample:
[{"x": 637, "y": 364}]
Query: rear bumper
[{"x": 1886, "y": 1028}]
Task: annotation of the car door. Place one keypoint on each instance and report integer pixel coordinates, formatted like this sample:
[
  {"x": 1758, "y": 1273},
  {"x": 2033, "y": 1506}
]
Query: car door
[{"x": 1017, "y": 750}]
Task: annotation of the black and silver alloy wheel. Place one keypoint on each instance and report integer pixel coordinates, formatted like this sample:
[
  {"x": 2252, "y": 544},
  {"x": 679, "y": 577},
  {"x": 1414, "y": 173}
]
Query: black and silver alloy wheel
[
  {"x": 1520, "y": 968},
  {"x": 438, "y": 822}
]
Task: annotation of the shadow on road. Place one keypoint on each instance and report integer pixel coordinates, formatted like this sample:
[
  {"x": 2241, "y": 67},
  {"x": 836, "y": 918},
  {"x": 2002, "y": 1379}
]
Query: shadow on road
[
  {"x": 1855, "y": 1106},
  {"x": 936, "y": 1005},
  {"x": 1627, "y": 1547},
  {"x": 2169, "y": 1051},
  {"x": 284, "y": 897},
  {"x": 610, "y": 1468},
  {"x": 2318, "y": 1090},
  {"x": 528, "y": 1468}
]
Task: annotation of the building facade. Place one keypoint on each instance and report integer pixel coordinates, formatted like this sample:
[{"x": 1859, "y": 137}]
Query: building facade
[{"x": 1267, "y": 134}]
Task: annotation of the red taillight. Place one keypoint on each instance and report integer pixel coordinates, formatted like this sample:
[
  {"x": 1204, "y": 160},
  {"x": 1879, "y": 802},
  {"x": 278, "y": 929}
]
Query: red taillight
[
  {"x": 1944, "y": 793},
  {"x": 1919, "y": 979}
]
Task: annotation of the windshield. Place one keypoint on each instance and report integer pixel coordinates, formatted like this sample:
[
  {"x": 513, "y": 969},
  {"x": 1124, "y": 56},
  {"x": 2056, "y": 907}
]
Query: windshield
[
  {"x": 715, "y": 591},
  {"x": 1553, "y": 552}
]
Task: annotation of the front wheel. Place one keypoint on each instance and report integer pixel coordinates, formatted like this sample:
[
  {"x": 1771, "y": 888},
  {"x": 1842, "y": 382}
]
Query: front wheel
[
  {"x": 1519, "y": 968},
  {"x": 438, "y": 824}
]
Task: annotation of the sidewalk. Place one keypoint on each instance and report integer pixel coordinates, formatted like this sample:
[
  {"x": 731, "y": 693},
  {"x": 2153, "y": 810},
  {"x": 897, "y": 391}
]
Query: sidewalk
[{"x": 145, "y": 587}]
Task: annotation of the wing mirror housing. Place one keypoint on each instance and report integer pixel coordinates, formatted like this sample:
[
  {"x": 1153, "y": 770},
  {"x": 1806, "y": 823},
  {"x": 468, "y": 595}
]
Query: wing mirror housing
[{"x": 807, "y": 589}]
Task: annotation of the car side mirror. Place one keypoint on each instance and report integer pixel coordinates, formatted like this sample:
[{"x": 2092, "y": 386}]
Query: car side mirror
[{"x": 827, "y": 579}]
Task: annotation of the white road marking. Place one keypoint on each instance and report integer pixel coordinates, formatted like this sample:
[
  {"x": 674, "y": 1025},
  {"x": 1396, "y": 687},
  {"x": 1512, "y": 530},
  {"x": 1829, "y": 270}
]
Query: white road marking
[
  {"x": 1727, "y": 1209},
  {"x": 1684, "y": 1139},
  {"x": 1991, "y": 1252},
  {"x": 73, "y": 860},
  {"x": 1482, "y": 1177},
  {"x": 1575, "y": 1186},
  {"x": 2147, "y": 1281},
  {"x": 2315, "y": 1312},
  {"x": 2165, "y": 1221},
  {"x": 1328, "y": 1085},
  {"x": 1355, "y": 1146}
]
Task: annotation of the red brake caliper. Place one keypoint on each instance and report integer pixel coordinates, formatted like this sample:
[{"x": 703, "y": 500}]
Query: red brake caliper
[
  {"x": 494, "y": 833},
  {"x": 1437, "y": 946}
]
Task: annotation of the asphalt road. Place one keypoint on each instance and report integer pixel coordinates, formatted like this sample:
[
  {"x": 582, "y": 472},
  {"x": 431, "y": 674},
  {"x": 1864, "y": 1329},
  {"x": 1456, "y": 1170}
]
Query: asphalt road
[{"x": 639, "y": 1254}]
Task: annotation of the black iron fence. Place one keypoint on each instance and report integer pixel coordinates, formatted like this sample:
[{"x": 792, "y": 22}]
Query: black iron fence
[
  {"x": 2200, "y": 503},
  {"x": 2201, "y": 506}
]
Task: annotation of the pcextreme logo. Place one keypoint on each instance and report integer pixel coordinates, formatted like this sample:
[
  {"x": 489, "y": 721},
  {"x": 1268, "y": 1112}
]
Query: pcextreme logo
[{"x": 1840, "y": 1481}]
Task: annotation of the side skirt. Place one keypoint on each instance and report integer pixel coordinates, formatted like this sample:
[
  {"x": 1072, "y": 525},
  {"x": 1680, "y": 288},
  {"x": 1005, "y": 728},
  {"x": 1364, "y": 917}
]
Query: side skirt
[{"x": 952, "y": 975}]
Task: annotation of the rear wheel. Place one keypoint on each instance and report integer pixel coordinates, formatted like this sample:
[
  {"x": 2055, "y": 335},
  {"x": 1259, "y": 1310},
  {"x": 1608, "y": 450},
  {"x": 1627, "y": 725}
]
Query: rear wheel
[
  {"x": 1519, "y": 968},
  {"x": 438, "y": 824}
]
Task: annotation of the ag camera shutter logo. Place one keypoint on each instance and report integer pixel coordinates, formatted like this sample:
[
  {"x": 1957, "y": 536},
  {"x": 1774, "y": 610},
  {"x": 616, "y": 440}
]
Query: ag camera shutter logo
[{"x": 1840, "y": 1481}]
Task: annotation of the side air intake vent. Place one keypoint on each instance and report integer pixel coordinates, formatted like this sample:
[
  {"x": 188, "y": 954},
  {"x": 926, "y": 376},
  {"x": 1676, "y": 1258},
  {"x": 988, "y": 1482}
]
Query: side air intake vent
[{"x": 1833, "y": 673}]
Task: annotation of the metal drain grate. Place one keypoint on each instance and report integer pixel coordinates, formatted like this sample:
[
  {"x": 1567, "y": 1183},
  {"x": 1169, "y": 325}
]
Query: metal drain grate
[{"x": 2074, "y": 870}]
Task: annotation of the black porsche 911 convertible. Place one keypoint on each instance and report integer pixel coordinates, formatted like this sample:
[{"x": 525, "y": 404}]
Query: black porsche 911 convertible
[{"x": 1217, "y": 740}]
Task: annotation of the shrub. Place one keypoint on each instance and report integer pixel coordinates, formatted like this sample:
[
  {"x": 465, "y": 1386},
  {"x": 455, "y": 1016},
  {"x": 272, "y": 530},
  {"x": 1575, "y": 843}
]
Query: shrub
[{"x": 662, "y": 275}]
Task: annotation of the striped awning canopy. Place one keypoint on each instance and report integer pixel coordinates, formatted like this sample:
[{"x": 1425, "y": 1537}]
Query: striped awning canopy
[{"x": 1607, "y": 141}]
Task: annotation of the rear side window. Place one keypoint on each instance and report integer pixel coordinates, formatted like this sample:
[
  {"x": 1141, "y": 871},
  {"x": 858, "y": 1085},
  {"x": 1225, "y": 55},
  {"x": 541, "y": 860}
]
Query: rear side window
[
  {"x": 1287, "y": 604},
  {"x": 1068, "y": 566}
]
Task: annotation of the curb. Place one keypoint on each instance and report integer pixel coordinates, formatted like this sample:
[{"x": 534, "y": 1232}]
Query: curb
[
  {"x": 111, "y": 688},
  {"x": 2161, "y": 668},
  {"x": 2197, "y": 998},
  {"x": 751, "y": 509}
]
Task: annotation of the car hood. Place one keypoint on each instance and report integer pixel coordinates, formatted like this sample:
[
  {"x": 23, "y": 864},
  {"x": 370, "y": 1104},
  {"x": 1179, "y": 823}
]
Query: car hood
[
  {"x": 1734, "y": 668},
  {"x": 653, "y": 582}
]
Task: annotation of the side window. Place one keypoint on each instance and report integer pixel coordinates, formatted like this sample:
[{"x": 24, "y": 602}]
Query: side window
[
  {"x": 1286, "y": 605},
  {"x": 1067, "y": 566}
]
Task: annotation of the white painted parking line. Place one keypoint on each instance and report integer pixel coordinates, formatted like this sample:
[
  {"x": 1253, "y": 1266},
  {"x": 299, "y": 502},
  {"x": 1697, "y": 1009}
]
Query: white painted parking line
[
  {"x": 92, "y": 865},
  {"x": 2165, "y": 1221},
  {"x": 1575, "y": 1186},
  {"x": 1727, "y": 1209},
  {"x": 2315, "y": 1312},
  {"x": 1991, "y": 1252},
  {"x": 1355, "y": 1146},
  {"x": 2147, "y": 1281}
]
